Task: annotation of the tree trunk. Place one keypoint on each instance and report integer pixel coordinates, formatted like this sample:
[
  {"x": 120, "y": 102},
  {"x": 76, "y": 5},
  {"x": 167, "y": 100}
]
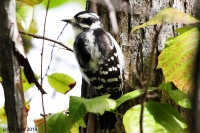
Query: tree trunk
[
  {"x": 10, "y": 69},
  {"x": 137, "y": 46}
]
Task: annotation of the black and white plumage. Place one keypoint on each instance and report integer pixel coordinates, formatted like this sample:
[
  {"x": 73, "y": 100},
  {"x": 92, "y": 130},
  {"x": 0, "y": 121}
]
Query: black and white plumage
[{"x": 99, "y": 56}]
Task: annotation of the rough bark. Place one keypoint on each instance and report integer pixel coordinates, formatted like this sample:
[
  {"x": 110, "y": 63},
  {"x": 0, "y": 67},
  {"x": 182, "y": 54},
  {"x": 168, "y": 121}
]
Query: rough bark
[
  {"x": 137, "y": 46},
  {"x": 10, "y": 69}
]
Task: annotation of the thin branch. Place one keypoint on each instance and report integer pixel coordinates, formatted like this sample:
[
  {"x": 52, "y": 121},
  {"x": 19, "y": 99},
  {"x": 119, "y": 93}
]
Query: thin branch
[
  {"x": 52, "y": 52},
  {"x": 45, "y": 123},
  {"x": 46, "y": 38},
  {"x": 151, "y": 69}
]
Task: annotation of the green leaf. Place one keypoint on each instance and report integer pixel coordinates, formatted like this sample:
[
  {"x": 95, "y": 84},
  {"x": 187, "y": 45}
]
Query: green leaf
[
  {"x": 177, "y": 60},
  {"x": 25, "y": 82},
  {"x": 157, "y": 118},
  {"x": 75, "y": 128},
  {"x": 2, "y": 130},
  {"x": 77, "y": 110},
  {"x": 61, "y": 82},
  {"x": 133, "y": 94},
  {"x": 81, "y": 123},
  {"x": 78, "y": 107},
  {"x": 186, "y": 28},
  {"x": 24, "y": 15},
  {"x": 169, "y": 15},
  {"x": 56, "y": 3},
  {"x": 32, "y": 2},
  {"x": 56, "y": 123},
  {"x": 3, "y": 117},
  {"x": 178, "y": 96},
  {"x": 103, "y": 102}
]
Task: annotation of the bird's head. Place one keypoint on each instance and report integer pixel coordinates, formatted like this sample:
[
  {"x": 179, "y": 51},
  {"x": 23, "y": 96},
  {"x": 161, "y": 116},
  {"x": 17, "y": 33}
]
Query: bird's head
[{"x": 84, "y": 20}]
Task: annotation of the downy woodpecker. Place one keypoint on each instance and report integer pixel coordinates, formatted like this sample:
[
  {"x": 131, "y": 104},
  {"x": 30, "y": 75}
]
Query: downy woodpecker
[{"x": 100, "y": 58}]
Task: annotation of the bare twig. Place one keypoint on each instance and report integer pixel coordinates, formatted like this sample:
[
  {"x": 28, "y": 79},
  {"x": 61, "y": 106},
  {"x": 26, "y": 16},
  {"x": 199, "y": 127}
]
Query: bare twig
[
  {"x": 112, "y": 16},
  {"x": 52, "y": 52},
  {"x": 46, "y": 38},
  {"x": 45, "y": 123},
  {"x": 151, "y": 69}
]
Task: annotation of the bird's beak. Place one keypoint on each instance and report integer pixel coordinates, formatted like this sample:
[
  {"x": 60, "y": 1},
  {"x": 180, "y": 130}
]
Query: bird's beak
[{"x": 67, "y": 20}]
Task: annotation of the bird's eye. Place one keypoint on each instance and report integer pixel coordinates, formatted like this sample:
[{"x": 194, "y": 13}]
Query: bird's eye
[{"x": 79, "y": 19}]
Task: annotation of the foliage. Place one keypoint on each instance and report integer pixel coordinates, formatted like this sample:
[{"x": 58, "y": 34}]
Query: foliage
[
  {"x": 131, "y": 95},
  {"x": 31, "y": 2},
  {"x": 178, "y": 96},
  {"x": 25, "y": 82},
  {"x": 24, "y": 15},
  {"x": 3, "y": 118},
  {"x": 57, "y": 121},
  {"x": 56, "y": 3},
  {"x": 78, "y": 107},
  {"x": 169, "y": 15},
  {"x": 158, "y": 118},
  {"x": 61, "y": 82},
  {"x": 177, "y": 60}
]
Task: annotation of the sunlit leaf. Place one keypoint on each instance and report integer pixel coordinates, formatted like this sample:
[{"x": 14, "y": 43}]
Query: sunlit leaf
[
  {"x": 186, "y": 28},
  {"x": 177, "y": 60},
  {"x": 81, "y": 123},
  {"x": 24, "y": 15},
  {"x": 2, "y": 130},
  {"x": 169, "y": 15},
  {"x": 157, "y": 118},
  {"x": 78, "y": 107},
  {"x": 3, "y": 117},
  {"x": 32, "y": 2},
  {"x": 75, "y": 129},
  {"x": 38, "y": 122},
  {"x": 56, "y": 3},
  {"x": 61, "y": 82},
  {"x": 56, "y": 123},
  {"x": 25, "y": 82},
  {"x": 103, "y": 102},
  {"x": 27, "y": 105},
  {"x": 178, "y": 96},
  {"x": 133, "y": 94}
]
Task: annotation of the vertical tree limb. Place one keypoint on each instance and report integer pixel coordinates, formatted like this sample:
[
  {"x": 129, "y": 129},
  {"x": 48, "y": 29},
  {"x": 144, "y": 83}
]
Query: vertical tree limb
[
  {"x": 195, "y": 95},
  {"x": 10, "y": 68}
]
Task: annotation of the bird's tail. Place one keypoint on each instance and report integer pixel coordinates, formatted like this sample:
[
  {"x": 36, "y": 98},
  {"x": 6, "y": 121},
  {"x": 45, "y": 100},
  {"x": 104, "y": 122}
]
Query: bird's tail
[{"x": 107, "y": 121}]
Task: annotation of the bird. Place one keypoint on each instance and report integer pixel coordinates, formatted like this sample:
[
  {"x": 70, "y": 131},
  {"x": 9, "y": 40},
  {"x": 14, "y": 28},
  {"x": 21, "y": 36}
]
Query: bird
[{"x": 100, "y": 59}]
